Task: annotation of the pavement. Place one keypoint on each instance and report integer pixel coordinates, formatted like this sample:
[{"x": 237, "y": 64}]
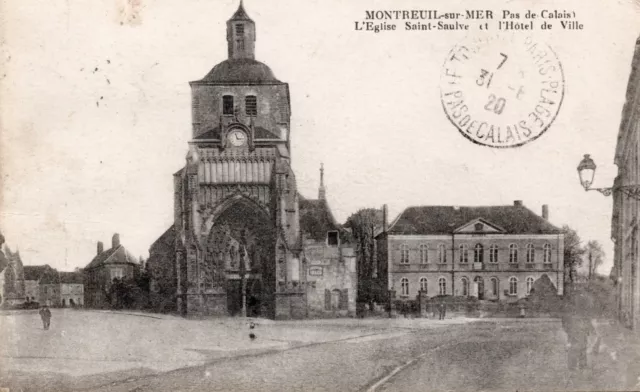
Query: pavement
[{"x": 111, "y": 351}]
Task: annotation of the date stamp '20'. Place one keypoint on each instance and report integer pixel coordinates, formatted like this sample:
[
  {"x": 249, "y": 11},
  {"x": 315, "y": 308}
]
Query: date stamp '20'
[{"x": 502, "y": 91}]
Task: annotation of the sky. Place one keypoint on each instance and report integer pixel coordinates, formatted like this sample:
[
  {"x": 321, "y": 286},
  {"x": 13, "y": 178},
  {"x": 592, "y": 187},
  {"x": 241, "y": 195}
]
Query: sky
[{"x": 95, "y": 114}]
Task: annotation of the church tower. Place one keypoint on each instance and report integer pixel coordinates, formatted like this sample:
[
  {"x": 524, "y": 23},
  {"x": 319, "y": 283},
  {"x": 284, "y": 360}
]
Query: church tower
[{"x": 237, "y": 247}]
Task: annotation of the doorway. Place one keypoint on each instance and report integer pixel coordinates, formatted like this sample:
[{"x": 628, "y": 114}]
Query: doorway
[
  {"x": 480, "y": 285},
  {"x": 234, "y": 297}
]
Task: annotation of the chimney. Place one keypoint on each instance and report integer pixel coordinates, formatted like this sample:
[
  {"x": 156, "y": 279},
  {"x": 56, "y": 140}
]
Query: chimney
[
  {"x": 545, "y": 211},
  {"x": 517, "y": 203},
  {"x": 100, "y": 247},
  {"x": 384, "y": 218},
  {"x": 115, "y": 241}
]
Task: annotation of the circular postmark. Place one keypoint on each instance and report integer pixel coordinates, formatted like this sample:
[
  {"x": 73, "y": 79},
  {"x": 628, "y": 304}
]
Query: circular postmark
[{"x": 502, "y": 91}]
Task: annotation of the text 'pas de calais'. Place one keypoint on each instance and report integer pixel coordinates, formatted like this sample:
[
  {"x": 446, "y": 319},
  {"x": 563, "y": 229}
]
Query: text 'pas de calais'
[{"x": 420, "y": 20}]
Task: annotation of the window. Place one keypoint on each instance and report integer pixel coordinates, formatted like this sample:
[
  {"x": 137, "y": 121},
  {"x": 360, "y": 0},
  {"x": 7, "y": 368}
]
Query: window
[
  {"x": 513, "y": 253},
  {"x": 251, "y": 105},
  {"x": 478, "y": 253},
  {"x": 404, "y": 286},
  {"x": 465, "y": 287},
  {"x": 240, "y": 36},
  {"x": 404, "y": 254},
  {"x": 442, "y": 254},
  {"x": 547, "y": 253},
  {"x": 464, "y": 253},
  {"x": 116, "y": 273},
  {"x": 493, "y": 253},
  {"x": 494, "y": 287},
  {"x": 424, "y": 253},
  {"x": 423, "y": 285},
  {"x": 531, "y": 253},
  {"x": 513, "y": 285},
  {"x": 227, "y": 104},
  {"x": 530, "y": 281},
  {"x": 332, "y": 238},
  {"x": 442, "y": 286}
]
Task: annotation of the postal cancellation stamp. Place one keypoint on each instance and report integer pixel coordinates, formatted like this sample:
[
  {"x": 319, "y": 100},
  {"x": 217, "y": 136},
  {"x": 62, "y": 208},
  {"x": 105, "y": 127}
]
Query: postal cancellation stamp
[{"x": 502, "y": 91}]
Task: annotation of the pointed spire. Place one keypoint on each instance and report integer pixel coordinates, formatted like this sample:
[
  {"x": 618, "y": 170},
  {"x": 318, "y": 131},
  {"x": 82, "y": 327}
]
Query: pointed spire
[
  {"x": 241, "y": 35},
  {"x": 322, "y": 192}
]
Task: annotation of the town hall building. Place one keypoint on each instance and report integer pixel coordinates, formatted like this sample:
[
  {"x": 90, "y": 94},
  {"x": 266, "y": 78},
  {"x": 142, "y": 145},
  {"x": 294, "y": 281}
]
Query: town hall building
[{"x": 244, "y": 241}]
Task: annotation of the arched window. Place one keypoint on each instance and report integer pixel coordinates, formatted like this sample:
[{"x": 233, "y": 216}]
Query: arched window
[
  {"x": 251, "y": 105},
  {"x": 423, "y": 285},
  {"x": 530, "y": 281},
  {"x": 493, "y": 253},
  {"x": 547, "y": 253},
  {"x": 227, "y": 104},
  {"x": 513, "y": 253},
  {"x": 478, "y": 253},
  {"x": 495, "y": 286},
  {"x": 404, "y": 286},
  {"x": 424, "y": 253},
  {"x": 513, "y": 285},
  {"x": 531, "y": 253},
  {"x": 442, "y": 254},
  {"x": 404, "y": 254},
  {"x": 442, "y": 286},
  {"x": 464, "y": 253},
  {"x": 465, "y": 287}
]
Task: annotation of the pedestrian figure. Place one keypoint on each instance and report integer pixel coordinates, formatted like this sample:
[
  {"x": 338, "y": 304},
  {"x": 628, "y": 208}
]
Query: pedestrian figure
[
  {"x": 45, "y": 315},
  {"x": 442, "y": 311},
  {"x": 578, "y": 328}
]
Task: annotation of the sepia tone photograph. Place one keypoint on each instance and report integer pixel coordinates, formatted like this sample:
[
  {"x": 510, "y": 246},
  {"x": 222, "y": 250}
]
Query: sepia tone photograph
[{"x": 374, "y": 195}]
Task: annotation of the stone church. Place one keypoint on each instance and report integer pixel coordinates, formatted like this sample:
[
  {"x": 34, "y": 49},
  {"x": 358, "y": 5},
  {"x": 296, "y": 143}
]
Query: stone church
[{"x": 244, "y": 241}]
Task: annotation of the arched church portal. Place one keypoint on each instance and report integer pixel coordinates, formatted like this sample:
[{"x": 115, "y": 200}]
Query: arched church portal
[{"x": 241, "y": 259}]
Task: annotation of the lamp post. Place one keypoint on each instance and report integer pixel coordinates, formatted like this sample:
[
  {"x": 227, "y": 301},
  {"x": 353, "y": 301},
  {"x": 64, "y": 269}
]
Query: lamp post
[{"x": 587, "y": 171}]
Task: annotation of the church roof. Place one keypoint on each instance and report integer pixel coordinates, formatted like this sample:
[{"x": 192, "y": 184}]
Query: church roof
[
  {"x": 240, "y": 14},
  {"x": 240, "y": 71},
  {"x": 167, "y": 239},
  {"x": 446, "y": 219},
  {"x": 316, "y": 218}
]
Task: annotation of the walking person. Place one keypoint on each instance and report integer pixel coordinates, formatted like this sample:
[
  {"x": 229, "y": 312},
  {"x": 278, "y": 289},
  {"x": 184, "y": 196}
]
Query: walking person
[{"x": 45, "y": 315}]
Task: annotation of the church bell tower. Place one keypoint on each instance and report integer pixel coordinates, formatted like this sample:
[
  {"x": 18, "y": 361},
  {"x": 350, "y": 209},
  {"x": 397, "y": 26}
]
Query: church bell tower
[{"x": 236, "y": 202}]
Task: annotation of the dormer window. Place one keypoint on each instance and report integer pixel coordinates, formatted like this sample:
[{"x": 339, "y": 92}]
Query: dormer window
[
  {"x": 227, "y": 104},
  {"x": 332, "y": 238},
  {"x": 251, "y": 105}
]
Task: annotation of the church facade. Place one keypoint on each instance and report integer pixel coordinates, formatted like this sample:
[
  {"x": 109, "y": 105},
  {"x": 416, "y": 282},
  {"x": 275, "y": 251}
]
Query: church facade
[{"x": 237, "y": 246}]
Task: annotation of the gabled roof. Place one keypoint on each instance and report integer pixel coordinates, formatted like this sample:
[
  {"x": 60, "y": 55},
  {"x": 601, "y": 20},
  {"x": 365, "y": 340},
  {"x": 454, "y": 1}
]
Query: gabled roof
[
  {"x": 167, "y": 239},
  {"x": 117, "y": 255},
  {"x": 316, "y": 218},
  {"x": 71, "y": 278},
  {"x": 35, "y": 272},
  {"x": 446, "y": 219}
]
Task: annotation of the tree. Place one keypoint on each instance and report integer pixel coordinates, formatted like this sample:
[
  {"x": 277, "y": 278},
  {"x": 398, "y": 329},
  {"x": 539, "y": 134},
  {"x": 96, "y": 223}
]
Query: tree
[
  {"x": 595, "y": 257},
  {"x": 365, "y": 224},
  {"x": 573, "y": 252}
]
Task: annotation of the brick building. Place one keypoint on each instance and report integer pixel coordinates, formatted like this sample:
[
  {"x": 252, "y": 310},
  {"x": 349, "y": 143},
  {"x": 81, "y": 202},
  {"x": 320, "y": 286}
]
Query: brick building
[
  {"x": 626, "y": 210},
  {"x": 107, "y": 265},
  {"x": 493, "y": 253},
  {"x": 238, "y": 245}
]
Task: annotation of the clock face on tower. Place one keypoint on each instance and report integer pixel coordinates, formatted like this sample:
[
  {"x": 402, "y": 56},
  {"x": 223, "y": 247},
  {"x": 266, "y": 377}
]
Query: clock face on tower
[{"x": 237, "y": 137}]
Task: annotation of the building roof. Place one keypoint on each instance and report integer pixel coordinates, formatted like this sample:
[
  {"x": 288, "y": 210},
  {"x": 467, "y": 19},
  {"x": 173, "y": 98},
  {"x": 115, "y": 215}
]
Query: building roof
[
  {"x": 446, "y": 219},
  {"x": 167, "y": 239},
  {"x": 71, "y": 278},
  {"x": 240, "y": 14},
  {"x": 240, "y": 71},
  {"x": 316, "y": 218},
  {"x": 117, "y": 255},
  {"x": 35, "y": 272}
]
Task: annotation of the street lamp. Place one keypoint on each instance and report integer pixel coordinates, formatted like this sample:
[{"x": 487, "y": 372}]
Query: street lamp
[{"x": 587, "y": 171}]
